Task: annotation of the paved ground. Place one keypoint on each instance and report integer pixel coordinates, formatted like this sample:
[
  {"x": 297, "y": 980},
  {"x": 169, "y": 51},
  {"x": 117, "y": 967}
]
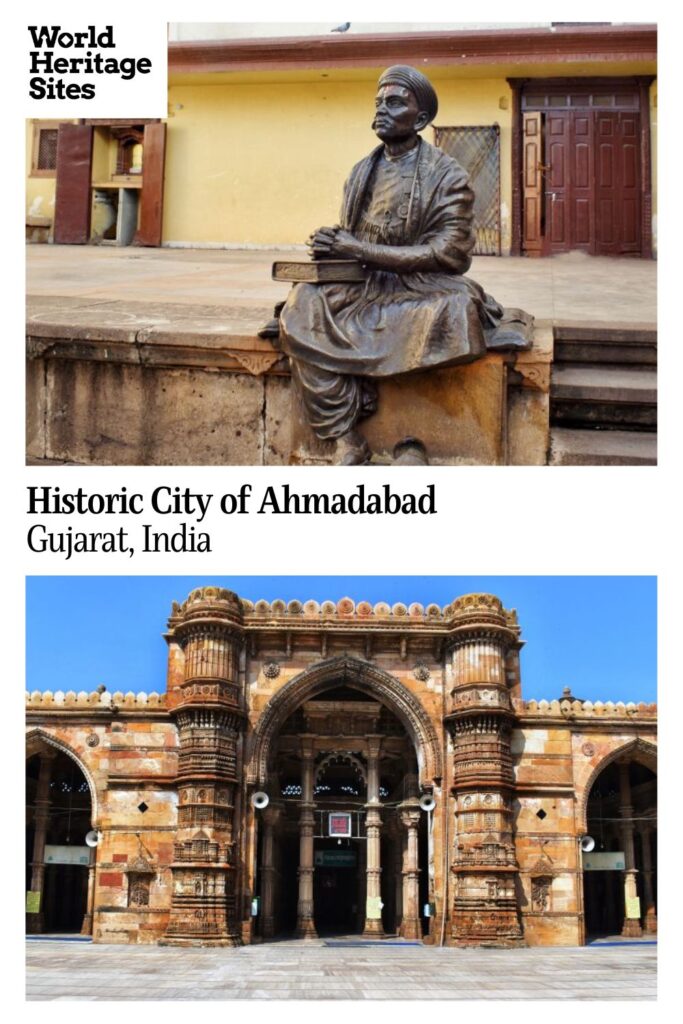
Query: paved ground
[
  {"x": 193, "y": 288},
  {"x": 298, "y": 970}
]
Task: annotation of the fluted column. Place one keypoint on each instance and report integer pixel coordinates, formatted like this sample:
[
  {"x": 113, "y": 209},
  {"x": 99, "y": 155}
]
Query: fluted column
[
  {"x": 631, "y": 924},
  {"x": 650, "y": 917},
  {"x": 41, "y": 816},
  {"x": 271, "y": 816},
  {"x": 373, "y": 831},
  {"x": 305, "y": 925},
  {"x": 410, "y": 923}
]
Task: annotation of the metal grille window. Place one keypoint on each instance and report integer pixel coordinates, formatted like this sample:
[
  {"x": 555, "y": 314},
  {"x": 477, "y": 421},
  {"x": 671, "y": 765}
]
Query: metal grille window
[
  {"x": 47, "y": 149},
  {"x": 44, "y": 148},
  {"x": 477, "y": 150}
]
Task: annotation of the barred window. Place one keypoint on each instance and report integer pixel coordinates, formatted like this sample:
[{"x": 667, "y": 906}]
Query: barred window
[
  {"x": 44, "y": 148},
  {"x": 47, "y": 149}
]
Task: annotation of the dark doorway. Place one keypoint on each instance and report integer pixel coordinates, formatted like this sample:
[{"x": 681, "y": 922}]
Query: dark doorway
[
  {"x": 336, "y": 891},
  {"x": 616, "y": 817},
  {"x": 65, "y": 895},
  {"x": 58, "y": 813}
]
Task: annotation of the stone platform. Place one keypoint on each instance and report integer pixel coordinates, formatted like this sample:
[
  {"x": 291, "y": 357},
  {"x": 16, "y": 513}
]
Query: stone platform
[
  {"x": 311, "y": 970},
  {"x": 150, "y": 356}
]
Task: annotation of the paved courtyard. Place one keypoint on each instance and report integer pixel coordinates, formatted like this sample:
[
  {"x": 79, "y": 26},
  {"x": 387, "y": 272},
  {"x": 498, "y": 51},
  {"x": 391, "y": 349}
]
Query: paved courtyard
[
  {"x": 59, "y": 970},
  {"x": 196, "y": 290}
]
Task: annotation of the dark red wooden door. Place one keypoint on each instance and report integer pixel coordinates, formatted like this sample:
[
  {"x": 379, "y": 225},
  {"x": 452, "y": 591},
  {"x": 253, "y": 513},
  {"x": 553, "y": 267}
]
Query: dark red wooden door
[
  {"x": 570, "y": 186},
  {"x": 152, "y": 197},
  {"x": 617, "y": 159},
  {"x": 533, "y": 184},
  {"x": 557, "y": 181},
  {"x": 582, "y": 177},
  {"x": 72, "y": 194},
  {"x": 594, "y": 176}
]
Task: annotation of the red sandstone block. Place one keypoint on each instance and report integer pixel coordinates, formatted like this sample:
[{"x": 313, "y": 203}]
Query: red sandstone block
[{"x": 111, "y": 878}]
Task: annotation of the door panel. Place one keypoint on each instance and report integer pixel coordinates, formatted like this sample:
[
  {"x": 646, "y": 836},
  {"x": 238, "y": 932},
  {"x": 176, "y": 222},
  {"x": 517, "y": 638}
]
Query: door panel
[
  {"x": 72, "y": 194},
  {"x": 557, "y": 195},
  {"x": 618, "y": 231},
  {"x": 152, "y": 193},
  {"x": 533, "y": 184}
]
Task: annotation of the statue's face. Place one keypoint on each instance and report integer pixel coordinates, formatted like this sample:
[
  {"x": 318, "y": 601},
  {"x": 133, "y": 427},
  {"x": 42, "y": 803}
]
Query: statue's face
[{"x": 397, "y": 114}]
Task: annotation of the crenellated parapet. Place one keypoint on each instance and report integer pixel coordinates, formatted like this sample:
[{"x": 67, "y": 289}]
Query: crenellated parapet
[
  {"x": 349, "y": 612},
  {"x": 44, "y": 700},
  {"x": 584, "y": 710}
]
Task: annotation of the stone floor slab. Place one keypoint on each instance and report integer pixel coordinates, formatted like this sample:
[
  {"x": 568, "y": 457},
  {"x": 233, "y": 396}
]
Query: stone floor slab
[{"x": 297, "y": 971}]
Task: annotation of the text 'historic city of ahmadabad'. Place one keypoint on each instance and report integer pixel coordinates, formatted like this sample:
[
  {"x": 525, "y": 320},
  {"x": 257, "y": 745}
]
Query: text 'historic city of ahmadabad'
[{"x": 186, "y": 504}]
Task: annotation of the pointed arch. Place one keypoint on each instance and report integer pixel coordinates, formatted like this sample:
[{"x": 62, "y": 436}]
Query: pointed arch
[
  {"x": 37, "y": 737},
  {"x": 640, "y": 750},
  {"x": 359, "y": 675}
]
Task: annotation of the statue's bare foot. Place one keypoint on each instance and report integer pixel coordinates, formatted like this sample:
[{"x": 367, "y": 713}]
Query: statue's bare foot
[
  {"x": 352, "y": 450},
  {"x": 410, "y": 452}
]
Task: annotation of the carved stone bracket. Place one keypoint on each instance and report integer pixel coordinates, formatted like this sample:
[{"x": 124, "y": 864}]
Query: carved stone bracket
[{"x": 256, "y": 363}]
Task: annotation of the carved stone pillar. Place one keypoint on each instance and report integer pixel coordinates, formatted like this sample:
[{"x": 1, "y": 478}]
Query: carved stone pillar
[
  {"x": 480, "y": 720},
  {"x": 373, "y": 830},
  {"x": 271, "y": 817},
  {"x": 86, "y": 927},
  {"x": 410, "y": 922},
  {"x": 207, "y": 708},
  {"x": 631, "y": 924},
  {"x": 305, "y": 925},
  {"x": 650, "y": 919},
  {"x": 397, "y": 844},
  {"x": 41, "y": 815},
  {"x": 361, "y": 881}
]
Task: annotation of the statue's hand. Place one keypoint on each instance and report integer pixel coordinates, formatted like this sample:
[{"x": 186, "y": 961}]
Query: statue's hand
[
  {"x": 320, "y": 243},
  {"x": 333, "y": 243},
  {"x": 345, "y": 246}
]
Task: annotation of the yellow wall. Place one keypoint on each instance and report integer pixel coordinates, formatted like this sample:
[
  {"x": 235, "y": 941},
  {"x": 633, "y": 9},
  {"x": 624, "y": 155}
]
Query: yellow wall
[
  {"x": 40, "y": 191},
  {"x": 265, "y": 163}
]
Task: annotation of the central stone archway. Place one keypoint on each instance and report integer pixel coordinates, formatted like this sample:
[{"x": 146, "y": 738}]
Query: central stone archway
[{"x": 366, "y": 678}]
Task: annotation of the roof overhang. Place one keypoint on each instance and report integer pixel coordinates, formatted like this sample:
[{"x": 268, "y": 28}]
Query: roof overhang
[{"x": 574, "y": 45}]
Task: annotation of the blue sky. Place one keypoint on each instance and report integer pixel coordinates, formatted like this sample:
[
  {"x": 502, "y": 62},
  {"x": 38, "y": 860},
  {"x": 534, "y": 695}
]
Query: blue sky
[{"x": 596, "y": 634}]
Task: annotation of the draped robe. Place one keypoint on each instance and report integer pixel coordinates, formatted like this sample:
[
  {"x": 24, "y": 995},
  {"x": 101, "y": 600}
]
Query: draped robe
[{"x": 421, "y": 313}]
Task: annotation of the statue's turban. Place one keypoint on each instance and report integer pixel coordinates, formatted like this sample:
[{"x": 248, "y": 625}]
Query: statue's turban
[{"x": 419, "y": 85}]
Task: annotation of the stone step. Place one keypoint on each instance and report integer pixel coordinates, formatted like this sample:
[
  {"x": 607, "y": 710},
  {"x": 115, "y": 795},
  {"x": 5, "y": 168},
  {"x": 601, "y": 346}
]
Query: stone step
[
  {"x": 586, "y": 344},
  {"x": 596, "y": 396},
  {"x": 602, "y": 448}
]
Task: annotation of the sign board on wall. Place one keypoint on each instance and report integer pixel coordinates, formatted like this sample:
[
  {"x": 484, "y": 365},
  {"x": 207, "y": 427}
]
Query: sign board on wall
[
  {"x": 335, "y": 858},
  {"x": 607, "y": 861},
  {"x": 339, "y": 824},
  {"x": 67, "y": 855},
  {"x": 633, "y": 907},
  {"x": 32, "y": 902}
]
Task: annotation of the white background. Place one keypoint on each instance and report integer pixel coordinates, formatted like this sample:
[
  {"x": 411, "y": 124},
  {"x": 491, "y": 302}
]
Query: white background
[
  {"x": 491, "y": 520},
  {"x": 142, "y": 96}
]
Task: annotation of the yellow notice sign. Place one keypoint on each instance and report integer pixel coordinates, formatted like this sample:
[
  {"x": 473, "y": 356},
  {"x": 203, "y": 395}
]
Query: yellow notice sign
[
  {"x": 373, "y": 907},
  {"x": 633, "y": 907},
  {"x": 32, "y": 902}
]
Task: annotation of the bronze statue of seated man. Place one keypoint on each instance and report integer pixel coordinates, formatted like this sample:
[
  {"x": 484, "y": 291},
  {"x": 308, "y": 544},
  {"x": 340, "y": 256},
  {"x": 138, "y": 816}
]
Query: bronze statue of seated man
[{"x": 407, "y": 219}]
